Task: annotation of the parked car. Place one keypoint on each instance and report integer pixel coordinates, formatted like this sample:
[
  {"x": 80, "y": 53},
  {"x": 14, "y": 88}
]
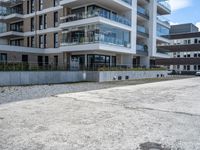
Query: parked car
[{"x": 197, "y": 74}]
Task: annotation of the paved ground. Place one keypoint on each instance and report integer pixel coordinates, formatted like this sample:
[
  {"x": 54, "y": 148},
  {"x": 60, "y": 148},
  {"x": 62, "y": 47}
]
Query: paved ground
[
  {"x": 163, "y": 115},
  {"x": 18, "y": 93}
]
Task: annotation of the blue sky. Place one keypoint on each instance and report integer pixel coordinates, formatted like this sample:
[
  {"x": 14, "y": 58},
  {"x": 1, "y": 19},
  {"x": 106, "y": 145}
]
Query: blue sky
[{"x": 185, "y": 11}]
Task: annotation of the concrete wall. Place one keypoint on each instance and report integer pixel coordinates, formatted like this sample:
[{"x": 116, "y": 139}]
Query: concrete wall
[
  {"x": 43, "y": 77},
  {"x": 51, "y": 77},
  {"x": 105, "y": 76}
]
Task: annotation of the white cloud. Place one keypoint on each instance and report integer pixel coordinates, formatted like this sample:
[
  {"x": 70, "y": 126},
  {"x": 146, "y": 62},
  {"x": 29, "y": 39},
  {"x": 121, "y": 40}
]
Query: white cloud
[
  {"x": 173, "y": 23},
  {"x": 198, "y": 25},
  {"x": 180, "y": 4}
]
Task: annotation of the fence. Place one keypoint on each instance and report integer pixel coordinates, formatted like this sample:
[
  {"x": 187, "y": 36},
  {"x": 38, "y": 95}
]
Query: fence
[{"x": 31, "y": 66}]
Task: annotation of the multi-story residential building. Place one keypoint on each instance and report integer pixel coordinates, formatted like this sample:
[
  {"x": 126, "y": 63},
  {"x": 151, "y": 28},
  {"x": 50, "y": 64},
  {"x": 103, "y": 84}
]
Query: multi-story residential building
[
  {"x": 184, "y": 49},
  {"x": 83, "y": 32}
]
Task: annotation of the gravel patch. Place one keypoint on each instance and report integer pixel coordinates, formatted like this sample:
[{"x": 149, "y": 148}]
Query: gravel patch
[{"x": 19, "y": 93}]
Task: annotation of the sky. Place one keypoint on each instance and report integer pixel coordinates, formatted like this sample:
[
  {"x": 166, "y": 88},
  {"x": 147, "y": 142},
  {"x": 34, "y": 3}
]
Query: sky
[{"x": 185, "y": 11}]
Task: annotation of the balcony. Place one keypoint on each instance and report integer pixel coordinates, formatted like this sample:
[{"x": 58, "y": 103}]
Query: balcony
[
  {"x": 164, "y": 7},
  {"x": 100, "y": 39},
  {"x": 142, "y": 31},
  {"x": 142, "y": 49},
  {"x": 117, "y": 5},
  {"x": 163, "y": 21},
  {"x": 12, "y": 32},
  {"x": 11, "y": 15},
  {"x": 96, "y": 15},
  {"x": 10, "y": 3},
  {"x": 142, "y": 12}
]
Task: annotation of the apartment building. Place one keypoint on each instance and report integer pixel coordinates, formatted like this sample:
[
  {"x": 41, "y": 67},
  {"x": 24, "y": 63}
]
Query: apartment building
[
  {"x": 184, "y": 49},
  {"x": 86, "y": 33}
]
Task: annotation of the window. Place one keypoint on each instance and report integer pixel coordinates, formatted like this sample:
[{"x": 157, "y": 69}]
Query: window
[
  {"x": 178, "y": 67},
  {"x": 25, "y": 58},
  {"x": 45, "y": 41},
  {"x": 41, "y": 41},
  {"x": 198, "y": 67},
  {"x": 40, "y": 22},
  {"x": 55, "y": 40},
  {"x": 32, "y": 41},
  {"x": 3, "y": 58},
  {"x": 184, "y": 67},
  {"x": 28, "y": 5},
  {"x": 32, "y": 6},
  {"x": 28, "y": 42},
  {"x": 195, "y": 67},
  {"x": 55, "y": 19},
  {"x": 40, "y": 4},
  {"x": 188, "y": 67},
  {"x": 185, "y": 42},
  {"x": 55, "y": 3},
  {"x": 45, "y": 21},
  {"x": 188, "y": 55},
  {"x": 40, "y": 61},
  {"x": 17, "y": 42},
  {"x": 46, "y": 59},
  {"x": 195, "y": 55},
  {"x": 195, "y": 41},
  {"x": 56, "y": 61},
  {"x": 32, "y": 24}
]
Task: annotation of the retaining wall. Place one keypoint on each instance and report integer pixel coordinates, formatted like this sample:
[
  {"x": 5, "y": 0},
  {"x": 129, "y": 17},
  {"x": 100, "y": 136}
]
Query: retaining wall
[{"x": 53, "y": 77}]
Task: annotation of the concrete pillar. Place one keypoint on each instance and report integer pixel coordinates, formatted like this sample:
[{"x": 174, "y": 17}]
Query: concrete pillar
[
  {"x": 134, "y": 27},
  {"x": 152, "y": 28},
  {"x": 85, "y": 60}
]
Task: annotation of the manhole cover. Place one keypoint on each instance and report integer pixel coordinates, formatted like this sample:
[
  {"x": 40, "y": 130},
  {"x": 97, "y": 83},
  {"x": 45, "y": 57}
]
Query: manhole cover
[{"x": 153, "y": 146}]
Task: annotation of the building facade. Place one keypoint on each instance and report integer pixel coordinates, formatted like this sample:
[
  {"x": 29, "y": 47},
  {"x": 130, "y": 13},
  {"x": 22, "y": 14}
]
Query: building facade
[
  {"x": 184, "y": 49},
  {"x": 85, "y": 33}
]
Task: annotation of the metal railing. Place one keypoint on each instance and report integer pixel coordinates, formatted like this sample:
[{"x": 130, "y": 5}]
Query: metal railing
[{"x": 41, "y": 66}]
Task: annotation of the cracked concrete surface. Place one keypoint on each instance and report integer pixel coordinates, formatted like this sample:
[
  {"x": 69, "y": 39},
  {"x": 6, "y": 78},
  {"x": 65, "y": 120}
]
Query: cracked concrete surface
[{"x": 163, "y": 114}]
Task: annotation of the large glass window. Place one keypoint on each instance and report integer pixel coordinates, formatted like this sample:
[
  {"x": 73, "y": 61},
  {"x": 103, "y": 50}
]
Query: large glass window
[
  {"x": 99, "y": 33},
  {"x": 3, "y": 57},
  {"x": 99, "y": 61}
]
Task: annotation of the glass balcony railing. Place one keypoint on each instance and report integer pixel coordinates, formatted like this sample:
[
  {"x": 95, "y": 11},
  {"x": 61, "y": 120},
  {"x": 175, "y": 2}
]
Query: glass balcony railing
[
  {"x": 97, "y": 39},
  {"x": 140, "y": 47},
  {"x": 163, "y": 20},
  {"x": 142, "y": 11},
  {"x": 165, "y": 4},
  {"x": 101, "y": 13},
  {"x": 6, "y": 12},
  {"x": 128, "y": 2},
  {"x": 142, "y": 30}
]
